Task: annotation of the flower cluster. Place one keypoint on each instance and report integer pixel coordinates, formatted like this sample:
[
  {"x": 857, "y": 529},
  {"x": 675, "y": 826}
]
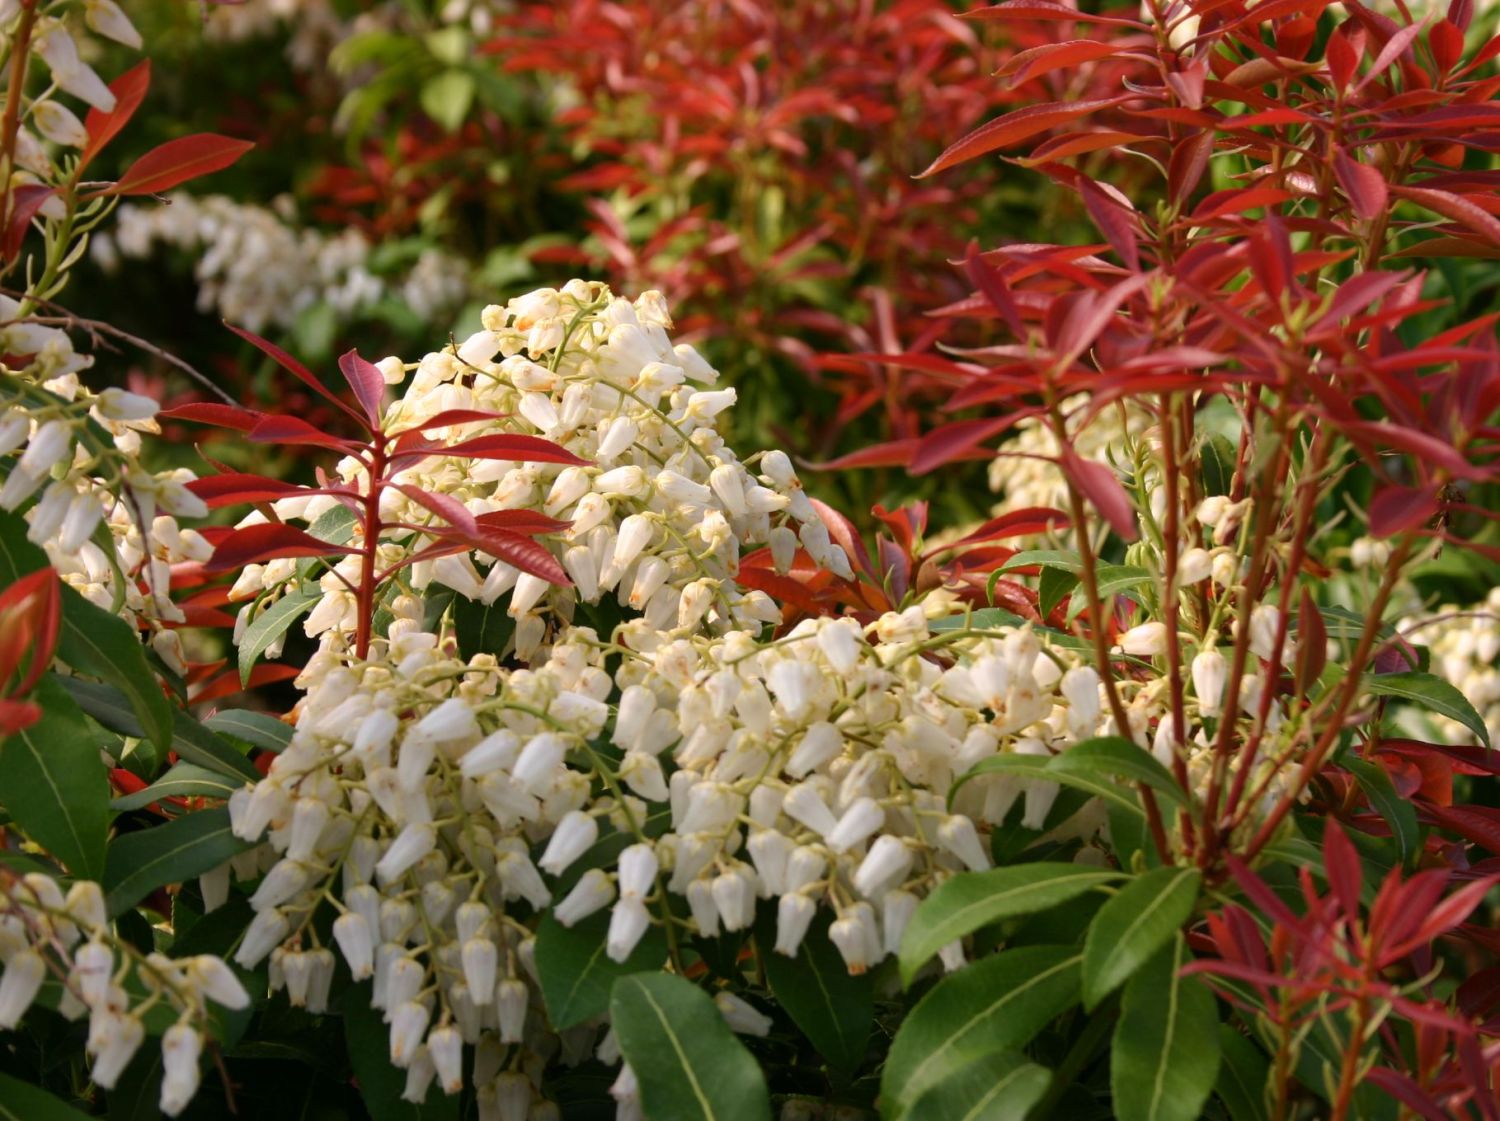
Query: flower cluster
[
  {"x": 659, "y": 513},
  {"x": 124, "y": 994},
  {"x": 440, "y": 806},
  {"x": 256, "y": 267}
]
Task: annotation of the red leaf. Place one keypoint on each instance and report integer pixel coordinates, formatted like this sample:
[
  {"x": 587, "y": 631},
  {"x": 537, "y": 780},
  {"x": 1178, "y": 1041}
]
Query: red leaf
[
  {"x": 522, "y": 521},
  {"x": 129, "y": 90},
  {"x": 26, "y": 200},
  {"x": 451, "y": 510},
  {"x": 1116, "y": 221},
  {"x": 1016, "y": 523},
  {"x": 269, "y": 541},
  {"x": 366, "y": 381},
  {"x": 175, "y": 162},
  {"x": 955, "y": 441},
  {"x": 523, "y": 449},
  {"x": 1425, "y": 447},
  {"x": 1395, "y": 510},
  {"x": 295, "y": 368},
  {"x": 1362, "y": 183},
  {"x": 1342, "y": 863},
  {"x": 449, "y": 417},
  {"x": 1046, "y": 10},
  {"x": 1032, "y": 64},
  {"x": 227, "y": 489},
  {"x": 16, "y": 715},
  {"x": 1396, "y": 46},
  {"x": 274, "y": 429},
  {"x": 221, "y": 416},
  {"x": 523, "y": 553},
  {"x": 31, "y": 611},
  {"x": 1014, "y": 127},
  {"x": 1402, "y": 1088},
  {"x": 1103, "y": 490},
  {"x": 844, "y": 535},
  {"x": 1456, "y": 207}
]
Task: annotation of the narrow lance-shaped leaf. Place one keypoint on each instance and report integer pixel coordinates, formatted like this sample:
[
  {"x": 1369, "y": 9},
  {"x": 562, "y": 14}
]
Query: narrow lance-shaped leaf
[
  {"x": 1129, "y": 929},
  {"x": 1014, "y": 127},
  {"x": 687, "y": 1062},
  {"x": 175, "y": 162},
  {"x": 129, "y": 90},
  {"x": 1430, "y": 692},
  {"x": 268, "y": 541},
  {"x": 367, "y": 382},
  {"x": 961, "y": 905},
  {"x": 179, "y": 850},
  {"x": 834, "y": 1009},
  {"x": 1165, "y": 1057},
  {"x": 1000, "y": 1086}
]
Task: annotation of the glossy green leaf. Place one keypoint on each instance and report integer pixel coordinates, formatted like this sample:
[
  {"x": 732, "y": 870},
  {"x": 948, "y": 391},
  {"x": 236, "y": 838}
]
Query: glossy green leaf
[
  {"x": 1051, "y": 587},
  {"x": 1112, "y": 579},
  {"x": 54, "y": 785},
  {"x": 576, "y": 974},
  {"x": 1432, "y": 693},
  {"x": 1000, "y": 1086},
  {"x": 999, "y": 1003},
  {"x": 271, "y": 624},
  {"x": 190, "y": 740},
  {"x": 260, "y": 729},
  {"x": 1136, "y": 923},
  {"x": 1165, "y": 1057},
  {"x": 482, "y": 628},
  {"x": 834, "y": 1009},
  {"x": 185, "y": 780},
  {"x": 91, "y": 640},
  {"x": 381, "y": 1084},
  {"x": 1060, "y": 559},
  {"x": 1119, "y": 757},
  {"x": 1396, "y": 811},
  {"x": 688, "y": 1063},
  {"x": 21, "y": 1101},
  {"x": 1243, "y": 1071},
  {"x": 178, "y": 850},
  {"x": 970, "y": 900},
  {"x": 1040, "y": 767}
]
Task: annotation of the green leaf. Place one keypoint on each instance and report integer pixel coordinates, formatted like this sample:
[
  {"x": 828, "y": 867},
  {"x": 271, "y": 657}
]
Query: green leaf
[
  {"x": 1117, "y": 756},
  {"x": 991, "y": 618},
  {"x": 1129, "y": 929},
  {"x": 185, "y": 780},
  {"x": 260, "y": 729},
  {"x": 1112, "y": 580},
  {"x": 271, "y": 624},
  {"x": 1000, "y": 1086},
  {"x": 182, "y": 848},
  {"x": 1060, "y": 559},
  {"x": 687, "y": 1061},
  {"x": 380, "y": 1083},
  {"x": 192, "y": 741},
  {"x": 54, "y": 784},
  {"x": 576, "y": 974},
  {"x": 970, "y": 900},
  {"x": 1053, "y": 585},
  {"x": 482, "y": 628},
  {"x": 21, "y": 1101},
  {"x": 1241, "y": 1084},
  {"x": 1398, "y": 813},
  {"x": 1432, "y": 693},
  {"x": 1165, "y": 1056},
  {"x": 1040, "y": 768},
  {"x": 91, "y": 640},
  {"x": 446, "y": 98},
  {"x": 834, "y": 1010},
  {"x": 999, "y": 1003}
]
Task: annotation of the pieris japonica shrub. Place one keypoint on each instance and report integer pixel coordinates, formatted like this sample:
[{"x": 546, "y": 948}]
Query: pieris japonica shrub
[{"x": 606, "y": 773}]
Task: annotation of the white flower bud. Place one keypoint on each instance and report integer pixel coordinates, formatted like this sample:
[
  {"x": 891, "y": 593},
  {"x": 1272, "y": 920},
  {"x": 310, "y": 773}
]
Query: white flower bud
[
  {"x": 217, "y": 981},
  {"x": 794, "y": 914},
  {"x": 117, "y": 1044},
  {"x": 850, "y": 939},
  {"x": 616, "y": 435},
  {"x": 1193, "y": 566},
  {"x": 120, "y": 404},
  {"x": 804, "y": 804},
  {"x": 897, "y": 908},
  {"x": 19, "y": 984},
  {"x": 642, "y": 773},
  {"x": 419, "y": 1075},
  {"x": 408, "y": 1024},
  {"x": 496, "y": 752},
  {"x": 638, "y": 866},
  {"x": 884, "y": 866},
  {"x": 1210, "y": 672},
  {"x": 860, "y": 820},
  {"x": 734, "y": 896},
  {"x": 958, "y": 835},
  {"x": 413, "y": 843},
  {"x": 627, "y": 926},
  {"x": 264, "y": 934},
  {"x": 107, "y": 18},
  {"x": 61, "y": 126},
  {"x": 180, "y": 1047},
  {"x": 700, "y": 897},
  {"x": 593, "y": 891},
  {"x": 51, "y": 444},
  {"x": 356, "y": 942},
  {"x": 446, "y": 1047},
  {"x": 574, "y": 835},
  {"x": 1145, "y": 641},
  {"x": 742, "y": 1017},
  {"x": 510, "y": 1009},
  {"x": 60, "y": 53},
  {"x": 538, "y": 762}
]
